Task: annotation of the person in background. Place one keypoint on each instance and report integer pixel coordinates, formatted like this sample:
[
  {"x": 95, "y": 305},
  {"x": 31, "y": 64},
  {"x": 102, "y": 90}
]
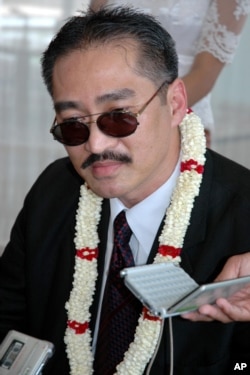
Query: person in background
[
  {"x": 206, "y": 33},
  {"x": 138, "y": 187}
]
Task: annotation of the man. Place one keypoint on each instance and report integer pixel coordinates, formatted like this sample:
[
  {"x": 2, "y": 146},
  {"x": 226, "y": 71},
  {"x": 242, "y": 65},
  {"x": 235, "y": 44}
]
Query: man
[{"x": 133, "y": 148}]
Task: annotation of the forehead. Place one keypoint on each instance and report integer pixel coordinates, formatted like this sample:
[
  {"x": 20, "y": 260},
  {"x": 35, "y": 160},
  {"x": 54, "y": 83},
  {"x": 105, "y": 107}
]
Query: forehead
[
  {"x": 122, "y": 50},
  {"x": 98, "y": 67}
]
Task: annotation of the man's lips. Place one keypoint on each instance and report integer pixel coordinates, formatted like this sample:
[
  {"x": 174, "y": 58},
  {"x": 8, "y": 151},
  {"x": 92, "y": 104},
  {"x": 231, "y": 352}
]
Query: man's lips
[{"x": 105, "y": 168}]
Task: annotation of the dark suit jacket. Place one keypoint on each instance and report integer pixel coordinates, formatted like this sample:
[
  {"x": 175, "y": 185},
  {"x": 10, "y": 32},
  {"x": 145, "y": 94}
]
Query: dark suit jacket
[{"x": 37, "y": 266}]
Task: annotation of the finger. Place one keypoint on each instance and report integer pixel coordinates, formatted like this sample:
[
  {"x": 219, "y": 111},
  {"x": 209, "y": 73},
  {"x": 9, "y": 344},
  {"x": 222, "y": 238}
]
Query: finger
[
  {"x": 196, "y": 316},
  {"x": 215, "y": 313},
  {"x": 234, "y": 312},
  {"x": 208, "y": 313}
]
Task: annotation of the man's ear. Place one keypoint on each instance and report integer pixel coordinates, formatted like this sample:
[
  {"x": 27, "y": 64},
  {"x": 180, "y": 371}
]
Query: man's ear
[{"x": 177, "y": 99}]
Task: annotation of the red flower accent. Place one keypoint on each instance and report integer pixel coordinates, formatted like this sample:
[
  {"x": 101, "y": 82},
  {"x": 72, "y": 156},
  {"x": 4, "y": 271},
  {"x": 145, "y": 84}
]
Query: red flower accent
[
  {"x": 189, "y": 110},
  {"x": 87, "y": 253},
  {"x": 169, "y": 250},
  {"x": 192, "y": 164},
  {"x": 79, "y": 328},
  {"x": 147, "y": 315}
]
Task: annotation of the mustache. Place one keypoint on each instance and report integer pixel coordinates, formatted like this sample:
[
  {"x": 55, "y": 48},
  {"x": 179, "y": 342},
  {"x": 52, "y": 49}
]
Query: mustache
[{"x": 107, "y": 155}]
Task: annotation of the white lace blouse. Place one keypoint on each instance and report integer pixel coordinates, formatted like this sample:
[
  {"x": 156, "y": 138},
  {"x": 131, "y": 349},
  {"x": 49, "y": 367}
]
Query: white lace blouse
[{"x": 199, "y": 25}]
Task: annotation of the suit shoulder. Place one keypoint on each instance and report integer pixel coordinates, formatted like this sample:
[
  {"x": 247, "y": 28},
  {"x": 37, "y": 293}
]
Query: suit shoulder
[
  {"x": 59, "y": 172},
  {"x": 228, "y": 180},
  {"x": 59, "y": 182},
  {"x": 60, "y": 168},
  {"x": 228, "y": 170}
]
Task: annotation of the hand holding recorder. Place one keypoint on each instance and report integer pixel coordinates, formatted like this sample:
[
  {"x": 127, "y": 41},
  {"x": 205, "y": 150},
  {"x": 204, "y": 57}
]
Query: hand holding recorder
[{"x": 236, "y": 307}]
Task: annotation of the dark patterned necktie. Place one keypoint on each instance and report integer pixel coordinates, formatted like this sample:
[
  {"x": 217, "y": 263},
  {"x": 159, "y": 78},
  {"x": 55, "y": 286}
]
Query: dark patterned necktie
[{"x": 120, "y": 309}]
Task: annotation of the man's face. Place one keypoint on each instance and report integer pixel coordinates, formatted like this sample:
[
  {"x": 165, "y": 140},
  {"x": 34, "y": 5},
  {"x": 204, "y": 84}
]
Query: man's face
[{"x": 102, "y": 79}]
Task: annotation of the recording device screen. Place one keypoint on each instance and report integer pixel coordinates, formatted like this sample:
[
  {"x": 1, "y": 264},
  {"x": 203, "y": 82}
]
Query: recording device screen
[
  {"x": 11, "y": 353},
  {"x": 21, "y": 354}
]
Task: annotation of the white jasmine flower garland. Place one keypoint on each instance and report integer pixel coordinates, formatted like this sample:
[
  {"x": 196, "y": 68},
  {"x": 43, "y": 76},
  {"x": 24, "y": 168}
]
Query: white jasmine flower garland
[{"x": 78, "y": 335}]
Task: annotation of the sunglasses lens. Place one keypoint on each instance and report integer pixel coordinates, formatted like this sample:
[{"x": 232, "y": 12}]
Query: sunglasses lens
[
  {"x": 71, "y": 133},
  {"x": 117, "y": 124}
]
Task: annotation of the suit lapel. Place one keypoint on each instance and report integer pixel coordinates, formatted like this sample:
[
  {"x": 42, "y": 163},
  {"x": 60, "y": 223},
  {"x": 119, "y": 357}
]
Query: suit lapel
[{"x": 197, "y": 228}]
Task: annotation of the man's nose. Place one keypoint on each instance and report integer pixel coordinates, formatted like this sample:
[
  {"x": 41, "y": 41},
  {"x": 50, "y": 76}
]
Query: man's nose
[{"x": 98, "y": 141}]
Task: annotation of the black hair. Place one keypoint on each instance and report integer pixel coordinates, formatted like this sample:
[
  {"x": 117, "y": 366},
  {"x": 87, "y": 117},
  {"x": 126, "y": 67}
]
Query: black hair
[{"x": 157, "y": 57}]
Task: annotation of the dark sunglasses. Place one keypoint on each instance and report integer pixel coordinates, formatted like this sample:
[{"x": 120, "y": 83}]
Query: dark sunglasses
[{"x": 117, "y": 123}]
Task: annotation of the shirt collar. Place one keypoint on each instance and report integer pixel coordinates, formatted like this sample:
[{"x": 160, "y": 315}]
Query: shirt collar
[{"x": 145, "y": 217}]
